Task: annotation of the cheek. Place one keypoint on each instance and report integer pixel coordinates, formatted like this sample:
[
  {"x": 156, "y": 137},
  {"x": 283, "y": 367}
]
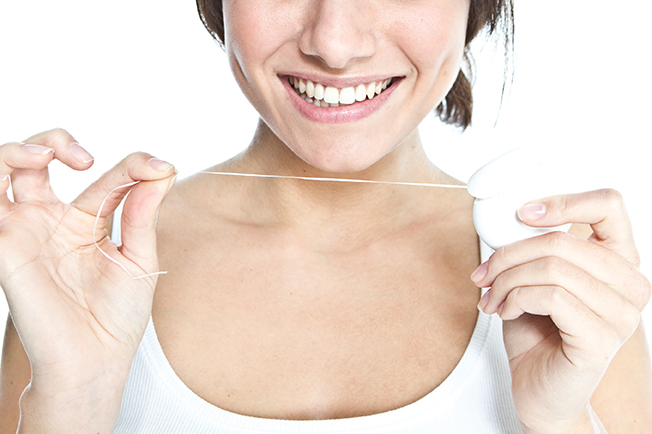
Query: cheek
[
  {"x": 255, "y": 31},
  {"x": 434, "y": 38},
  {"x": 239, "y": 34}
]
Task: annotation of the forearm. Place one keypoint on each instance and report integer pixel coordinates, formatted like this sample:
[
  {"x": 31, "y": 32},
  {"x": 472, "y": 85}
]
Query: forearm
[
  {"x": 589, "y": 424},
  {"x": 93, "y": 411}
]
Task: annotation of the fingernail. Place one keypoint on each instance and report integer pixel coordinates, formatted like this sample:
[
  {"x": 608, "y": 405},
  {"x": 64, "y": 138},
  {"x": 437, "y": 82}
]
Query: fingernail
[
  {"x": 532, "y": 212},
  {"x": 480, "y": 273},
  {"x": 80, "y": 153},
  {"x": 160, "y": 165},
  {"x": 4, "y": 178},
  {"x": 483, "y": 301},
  {"x": 38, "y": 149}
]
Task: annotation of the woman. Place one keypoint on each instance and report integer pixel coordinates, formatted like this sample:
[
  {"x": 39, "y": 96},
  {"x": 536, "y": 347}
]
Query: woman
[{"x": 316, "y": 306}]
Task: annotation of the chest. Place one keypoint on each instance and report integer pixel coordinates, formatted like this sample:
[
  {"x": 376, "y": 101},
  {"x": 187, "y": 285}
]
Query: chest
[{"x": 257, "y": 324}]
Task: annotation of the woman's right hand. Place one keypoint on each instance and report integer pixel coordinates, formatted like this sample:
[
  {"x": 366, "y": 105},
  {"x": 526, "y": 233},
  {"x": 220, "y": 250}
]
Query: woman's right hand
[{"x": 79, "y": 316}]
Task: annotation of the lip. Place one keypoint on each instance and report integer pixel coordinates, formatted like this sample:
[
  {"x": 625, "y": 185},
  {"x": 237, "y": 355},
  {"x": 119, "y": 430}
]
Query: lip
[{"x": 345, "y": 113}]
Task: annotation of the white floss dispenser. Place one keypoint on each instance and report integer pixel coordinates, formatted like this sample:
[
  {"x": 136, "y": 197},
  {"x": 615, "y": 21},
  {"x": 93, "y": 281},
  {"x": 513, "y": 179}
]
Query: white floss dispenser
[{"x": 505, "y": 184}]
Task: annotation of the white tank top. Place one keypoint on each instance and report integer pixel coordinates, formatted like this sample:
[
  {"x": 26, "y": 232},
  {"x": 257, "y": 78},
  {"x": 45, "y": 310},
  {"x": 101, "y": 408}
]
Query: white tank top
[{"x": 474, "y": 398}]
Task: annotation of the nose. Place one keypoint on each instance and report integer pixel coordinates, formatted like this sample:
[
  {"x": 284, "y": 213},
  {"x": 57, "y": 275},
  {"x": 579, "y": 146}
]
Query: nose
[{"x": 338, "y": 32}]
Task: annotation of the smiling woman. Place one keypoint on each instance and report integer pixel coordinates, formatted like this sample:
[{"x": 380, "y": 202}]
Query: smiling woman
[
  {"x": 292, "y": 305},
  {"x": 457, "y": 108}
]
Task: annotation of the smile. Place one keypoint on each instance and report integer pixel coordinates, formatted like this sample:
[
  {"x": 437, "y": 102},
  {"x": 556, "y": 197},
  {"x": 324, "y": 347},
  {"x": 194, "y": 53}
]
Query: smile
[{"x": 328, "y": 96}]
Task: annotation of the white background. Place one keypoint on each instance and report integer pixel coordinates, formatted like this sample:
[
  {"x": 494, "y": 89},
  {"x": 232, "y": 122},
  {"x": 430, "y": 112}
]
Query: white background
[{"x": 144, "y": 75}]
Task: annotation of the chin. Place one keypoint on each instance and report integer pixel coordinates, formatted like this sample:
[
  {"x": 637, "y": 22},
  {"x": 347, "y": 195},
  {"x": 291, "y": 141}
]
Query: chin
[{"x": 341, "y": 161}]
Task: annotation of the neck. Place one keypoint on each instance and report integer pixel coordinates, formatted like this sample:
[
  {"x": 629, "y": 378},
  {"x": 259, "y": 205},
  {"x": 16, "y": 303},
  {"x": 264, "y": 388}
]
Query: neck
[{"x": 358, "y": 207}]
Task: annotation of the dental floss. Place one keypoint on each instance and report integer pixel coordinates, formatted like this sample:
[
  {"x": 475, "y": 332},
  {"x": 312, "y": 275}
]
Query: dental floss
[
  {"x": 307, "y": 178},
  {"x": 251, "y": 175},
  {"x": 97, "y": 219},
  {"x": 498, "y": 197}
]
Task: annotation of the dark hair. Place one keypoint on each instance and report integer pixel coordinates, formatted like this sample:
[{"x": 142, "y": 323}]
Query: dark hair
[{"x": 494, "y": 16}]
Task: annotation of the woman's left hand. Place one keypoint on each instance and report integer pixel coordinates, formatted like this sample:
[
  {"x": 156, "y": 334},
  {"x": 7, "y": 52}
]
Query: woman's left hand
[{"x": 569, "y": 305}]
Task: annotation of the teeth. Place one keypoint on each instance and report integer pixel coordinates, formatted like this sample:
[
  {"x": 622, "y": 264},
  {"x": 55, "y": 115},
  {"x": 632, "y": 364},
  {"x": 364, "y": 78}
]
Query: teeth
[
  {"x": 371, "y": 90},
  {"x": 328, "y": 96},
  {"x": 360, "y": 93},
  {"x": 310, "y": 89},
  {"x": 347, "y": 95},
  {"x": 331, "y": 95},
  {"x": 319, "y": 91}
]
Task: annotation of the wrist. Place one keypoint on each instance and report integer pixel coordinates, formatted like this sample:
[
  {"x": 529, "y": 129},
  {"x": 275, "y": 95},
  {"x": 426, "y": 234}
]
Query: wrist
[{"x": 92, "y": 410}]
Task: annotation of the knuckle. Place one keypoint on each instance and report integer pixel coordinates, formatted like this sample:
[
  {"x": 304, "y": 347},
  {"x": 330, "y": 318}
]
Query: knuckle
[
  {"x": 500, "y": 282},
  {"x": 59, "y": 135},
  {"x": 557, "y": 295},
  {"x": 514, "y": 299},
  {"x": 643, "y": 292},
  {"x": 564, "y": 204},
  {"x": 58, "y": 132},
  {"x": 612, "y": 198},
  {"x": 137, "y": 158},
  {"x": 499, "y": 256},
  {"x": 5, "y": 146},
  {"x": 552, "y": 266},
  {"x": 558, "y": 241}
]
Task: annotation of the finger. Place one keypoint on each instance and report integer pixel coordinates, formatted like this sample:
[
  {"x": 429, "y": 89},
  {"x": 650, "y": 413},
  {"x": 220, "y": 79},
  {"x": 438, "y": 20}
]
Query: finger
[
  {"x": 66, "y": 148},
  {"x": 604, "y": 210},
  {"x": 35, "y": 184},
  {"x": 27, "y": 162},
  {"x": 15, "y": 157},
  {"x": 138, "y": 225},
  {"x": 600, "y": 299},
  {"x": 601, "y": 263},
  {"x": 138, "y": 166},
  {"x": 585, "y": 335}
]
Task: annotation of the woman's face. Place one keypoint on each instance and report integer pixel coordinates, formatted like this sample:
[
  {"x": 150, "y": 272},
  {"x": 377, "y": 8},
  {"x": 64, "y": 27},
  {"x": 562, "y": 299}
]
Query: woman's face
[{"x": 344, "y": 52}]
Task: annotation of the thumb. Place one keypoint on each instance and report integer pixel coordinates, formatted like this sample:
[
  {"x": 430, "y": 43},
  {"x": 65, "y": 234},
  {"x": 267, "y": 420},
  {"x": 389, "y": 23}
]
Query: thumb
[
  {"x": 603, "y": 209},
  {"x": 138, "y": 225}
]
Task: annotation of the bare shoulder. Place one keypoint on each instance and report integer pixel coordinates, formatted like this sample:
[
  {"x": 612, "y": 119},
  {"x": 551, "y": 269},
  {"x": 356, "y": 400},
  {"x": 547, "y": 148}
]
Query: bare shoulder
[{"x": 15, "y": 375}]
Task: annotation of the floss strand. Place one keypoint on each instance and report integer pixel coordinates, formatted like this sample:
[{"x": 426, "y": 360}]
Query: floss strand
[{"x": 252, "y": 175}]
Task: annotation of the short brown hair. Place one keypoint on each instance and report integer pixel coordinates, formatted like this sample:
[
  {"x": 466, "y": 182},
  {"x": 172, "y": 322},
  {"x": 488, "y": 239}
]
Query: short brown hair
[{"x": 457, "y": 108}]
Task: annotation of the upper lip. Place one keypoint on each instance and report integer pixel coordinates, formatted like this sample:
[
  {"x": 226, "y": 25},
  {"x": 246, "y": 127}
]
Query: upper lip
[{"x": 339, "y": 82}]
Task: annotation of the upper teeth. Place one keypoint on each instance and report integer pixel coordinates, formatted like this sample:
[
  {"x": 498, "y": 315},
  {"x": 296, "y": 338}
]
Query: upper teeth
[{"x": 324, "y": 96}]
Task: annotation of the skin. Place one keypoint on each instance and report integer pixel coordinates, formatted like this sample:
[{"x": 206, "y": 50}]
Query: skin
[{"x": 323, "y": 254}]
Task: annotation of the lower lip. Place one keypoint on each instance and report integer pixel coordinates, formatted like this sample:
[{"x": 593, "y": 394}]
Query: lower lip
[{"x": 342, "y": 114}]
